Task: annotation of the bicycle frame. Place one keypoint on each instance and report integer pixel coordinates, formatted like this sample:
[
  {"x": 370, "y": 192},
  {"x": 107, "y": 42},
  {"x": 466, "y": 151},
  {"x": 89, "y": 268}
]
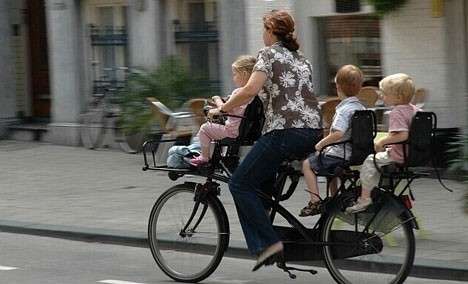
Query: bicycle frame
[{"x": 219, "y": 172}]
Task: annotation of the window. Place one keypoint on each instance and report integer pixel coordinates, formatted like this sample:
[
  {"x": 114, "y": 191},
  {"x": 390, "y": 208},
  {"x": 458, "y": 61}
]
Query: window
[
  {"x": 349, "y": 40},
  {"x": 109, "y": 42}
]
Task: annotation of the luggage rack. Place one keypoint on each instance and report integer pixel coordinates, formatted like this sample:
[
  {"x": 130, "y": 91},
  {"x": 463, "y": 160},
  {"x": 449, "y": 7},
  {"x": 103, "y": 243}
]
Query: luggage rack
[{"x": 215, "y": 170}]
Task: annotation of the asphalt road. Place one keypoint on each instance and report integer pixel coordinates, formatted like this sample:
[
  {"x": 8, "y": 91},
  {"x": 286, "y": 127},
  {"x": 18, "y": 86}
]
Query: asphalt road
[{"x": 28, "y": 259}]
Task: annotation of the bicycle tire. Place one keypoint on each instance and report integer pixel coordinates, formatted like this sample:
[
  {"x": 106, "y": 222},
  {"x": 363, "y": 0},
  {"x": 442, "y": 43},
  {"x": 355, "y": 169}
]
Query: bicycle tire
[
  {"x": 92, "y": 127},
  {"x": 393, "y": 263},
  {"x": 170, "y": 250}
]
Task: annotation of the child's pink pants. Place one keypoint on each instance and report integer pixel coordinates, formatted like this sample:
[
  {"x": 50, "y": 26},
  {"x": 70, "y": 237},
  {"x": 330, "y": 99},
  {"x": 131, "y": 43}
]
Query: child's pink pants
[{"x": 213, "y": 131}]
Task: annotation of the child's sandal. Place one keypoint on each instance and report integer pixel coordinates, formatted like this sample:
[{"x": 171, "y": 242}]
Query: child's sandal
[{"x": 312, "y": 208}]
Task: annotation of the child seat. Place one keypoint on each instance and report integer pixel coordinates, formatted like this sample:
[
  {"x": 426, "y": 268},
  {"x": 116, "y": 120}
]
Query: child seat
[
  {"x": 250, "y": 129},
  {"x": 363, "y": 132},
  {"x": 417, "y": 151}
]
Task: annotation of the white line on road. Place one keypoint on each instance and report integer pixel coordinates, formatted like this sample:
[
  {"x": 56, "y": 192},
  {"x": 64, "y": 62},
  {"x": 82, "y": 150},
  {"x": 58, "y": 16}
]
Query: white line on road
[
  {"x": 117, "y": 282},
  {"x": 7, "y": 267}
]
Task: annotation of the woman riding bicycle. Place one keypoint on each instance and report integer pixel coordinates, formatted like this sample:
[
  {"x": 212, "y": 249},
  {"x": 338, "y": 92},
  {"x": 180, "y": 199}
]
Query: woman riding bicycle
[{"x": 282, "y": 78}]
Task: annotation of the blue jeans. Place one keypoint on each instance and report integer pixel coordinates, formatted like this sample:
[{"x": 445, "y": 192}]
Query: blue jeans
[{"x": 256, "y": 171}]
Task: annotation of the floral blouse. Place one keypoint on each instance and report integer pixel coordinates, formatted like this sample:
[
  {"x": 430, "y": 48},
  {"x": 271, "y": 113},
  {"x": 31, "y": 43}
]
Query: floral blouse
[{"x": 288, "y": 95}]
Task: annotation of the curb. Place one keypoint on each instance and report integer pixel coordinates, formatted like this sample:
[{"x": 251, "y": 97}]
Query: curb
[{"x": 423, "y": 268}]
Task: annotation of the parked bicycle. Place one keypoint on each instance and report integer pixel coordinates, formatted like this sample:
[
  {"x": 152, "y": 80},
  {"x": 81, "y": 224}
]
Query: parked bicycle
[
  {"x": 102, "y": 115},
  {"x": 378, "y": 240}
]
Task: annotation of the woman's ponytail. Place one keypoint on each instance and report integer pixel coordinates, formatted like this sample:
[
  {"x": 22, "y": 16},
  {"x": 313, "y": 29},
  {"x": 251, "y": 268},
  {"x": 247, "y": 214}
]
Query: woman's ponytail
[{"x": 289, "y": 41}]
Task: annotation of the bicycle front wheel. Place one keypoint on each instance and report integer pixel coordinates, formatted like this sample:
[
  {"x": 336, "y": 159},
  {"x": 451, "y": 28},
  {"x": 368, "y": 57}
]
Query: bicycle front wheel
[
  {"x": 187, "y": 249},
  {"x": 385, "y": 251}
]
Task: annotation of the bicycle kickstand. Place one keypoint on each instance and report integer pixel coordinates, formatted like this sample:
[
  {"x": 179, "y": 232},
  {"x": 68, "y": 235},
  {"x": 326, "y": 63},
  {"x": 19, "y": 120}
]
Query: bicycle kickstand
[{"x": 287, "y": 269}]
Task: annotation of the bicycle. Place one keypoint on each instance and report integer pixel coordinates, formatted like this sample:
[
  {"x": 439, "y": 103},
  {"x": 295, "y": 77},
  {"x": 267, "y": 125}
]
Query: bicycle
[
  {"x": 347, "y": 243},
  {"x": 102, "y": 116}
]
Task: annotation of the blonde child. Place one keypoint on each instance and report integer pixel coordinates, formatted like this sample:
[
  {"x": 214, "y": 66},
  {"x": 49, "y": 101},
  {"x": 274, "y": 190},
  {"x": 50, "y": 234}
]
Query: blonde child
[
  {"x": 397, "y": 91},
  {"x": 348, "y": 84},
  {"x": 209, "y": 131}
]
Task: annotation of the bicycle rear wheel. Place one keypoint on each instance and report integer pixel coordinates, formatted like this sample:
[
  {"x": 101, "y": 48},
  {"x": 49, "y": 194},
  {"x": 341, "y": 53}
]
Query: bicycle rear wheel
[
  {"x": 385, "y": 252},
  {"x": 177, "y": 251},
  {"x": 92, "y": 127}
]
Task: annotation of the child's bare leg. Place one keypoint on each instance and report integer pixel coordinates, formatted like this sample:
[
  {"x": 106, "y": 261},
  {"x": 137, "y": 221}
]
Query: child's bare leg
[
  {"x": 333, "y": 186},
  {"x": 311, "y": 181},
  {"x": 365, "y": 193}
]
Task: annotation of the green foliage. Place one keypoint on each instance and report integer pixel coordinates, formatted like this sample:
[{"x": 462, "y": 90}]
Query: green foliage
[
  {"x": 170, "y": 83},
  {"x": 460, "y": 165},
  {"x": 385, "y": 6}
]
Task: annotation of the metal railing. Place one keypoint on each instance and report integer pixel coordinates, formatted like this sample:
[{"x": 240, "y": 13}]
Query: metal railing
[
  {"x": 108, "y": 35},
  {"x": 196, "y": 32}
]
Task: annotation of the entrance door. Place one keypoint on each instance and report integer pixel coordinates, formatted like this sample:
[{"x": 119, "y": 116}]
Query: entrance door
[{"x": 39, "y": 63}]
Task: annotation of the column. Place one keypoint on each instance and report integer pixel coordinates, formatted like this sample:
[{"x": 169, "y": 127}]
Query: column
[
  {"x": 65, "y": 63},
  {"x": 232, "y": 34},
  {"x": 144, "y": 33},
  {"x": 7, "y": 70}
]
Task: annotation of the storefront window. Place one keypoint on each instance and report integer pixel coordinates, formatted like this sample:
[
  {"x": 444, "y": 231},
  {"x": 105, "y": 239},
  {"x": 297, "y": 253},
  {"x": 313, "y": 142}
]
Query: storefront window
[{"x": 350, "y": 40}]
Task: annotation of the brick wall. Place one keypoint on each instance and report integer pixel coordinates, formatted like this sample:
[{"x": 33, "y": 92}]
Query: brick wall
[{"x": 414, "y": 42}]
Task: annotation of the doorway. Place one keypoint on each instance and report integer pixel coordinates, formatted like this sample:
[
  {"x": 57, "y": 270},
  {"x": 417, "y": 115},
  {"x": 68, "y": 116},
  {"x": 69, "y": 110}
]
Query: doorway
[{"x": 38, "y": 59}]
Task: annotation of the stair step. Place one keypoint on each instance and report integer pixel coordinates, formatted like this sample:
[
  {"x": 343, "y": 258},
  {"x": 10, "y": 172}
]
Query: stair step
[{"x": 28, "y": 132}]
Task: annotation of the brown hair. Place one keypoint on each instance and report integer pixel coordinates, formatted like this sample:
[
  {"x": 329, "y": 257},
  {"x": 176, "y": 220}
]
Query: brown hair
[
  {"x": 282, "y": 25},
  {"x": 244, "y": 63},
  {"x": 350, "y": 78}
]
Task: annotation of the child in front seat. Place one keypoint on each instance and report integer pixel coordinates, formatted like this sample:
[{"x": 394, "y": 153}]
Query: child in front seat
[{"x": 209, "y": 131}]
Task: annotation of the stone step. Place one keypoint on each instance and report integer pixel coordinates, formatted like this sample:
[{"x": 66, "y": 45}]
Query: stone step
[{"x": 28, "y": 132}]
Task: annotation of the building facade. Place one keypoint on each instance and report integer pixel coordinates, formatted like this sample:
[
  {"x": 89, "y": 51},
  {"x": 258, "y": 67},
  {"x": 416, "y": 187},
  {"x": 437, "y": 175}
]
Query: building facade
[
  {"x": 426, "y": 39},
  {"x": 54, "y": 51}
]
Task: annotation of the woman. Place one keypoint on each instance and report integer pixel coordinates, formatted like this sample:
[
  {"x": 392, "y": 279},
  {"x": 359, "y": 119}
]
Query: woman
[{"x": 282, "y": 78}]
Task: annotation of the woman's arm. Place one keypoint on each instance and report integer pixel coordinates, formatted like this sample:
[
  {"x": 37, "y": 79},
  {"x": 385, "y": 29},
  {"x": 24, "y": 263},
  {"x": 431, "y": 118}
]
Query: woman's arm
[{"x": 244, "y": 94}]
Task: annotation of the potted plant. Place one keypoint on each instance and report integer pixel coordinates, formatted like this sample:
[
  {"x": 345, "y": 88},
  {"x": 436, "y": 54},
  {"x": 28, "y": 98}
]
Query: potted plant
[
  {"x": 383, "y": 7},
  {"x": 171, "y": 83},
  {"x": 459, "y": 165}
]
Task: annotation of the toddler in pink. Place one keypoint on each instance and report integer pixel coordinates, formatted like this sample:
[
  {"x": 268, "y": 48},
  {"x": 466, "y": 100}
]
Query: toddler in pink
[{"x": 209, "y": 131}]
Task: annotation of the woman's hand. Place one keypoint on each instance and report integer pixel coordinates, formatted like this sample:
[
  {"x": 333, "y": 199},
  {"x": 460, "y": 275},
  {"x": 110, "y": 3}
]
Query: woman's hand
[
  {"x": 318, "y": 147},
  {"x": 214, "y": 112}
]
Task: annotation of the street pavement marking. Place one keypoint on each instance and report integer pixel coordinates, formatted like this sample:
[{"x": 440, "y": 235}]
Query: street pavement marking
[
  {"x": 110, "y": 281},
  {"x": 7, "y": 267},
  {"x": 230, "y": 281}
]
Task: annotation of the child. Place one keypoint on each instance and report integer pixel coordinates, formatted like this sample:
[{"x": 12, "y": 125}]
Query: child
[
  {"x": 348, "y": 84},
  {"x": 397, "y": 90},
  {"x": 241, "y": 71}
]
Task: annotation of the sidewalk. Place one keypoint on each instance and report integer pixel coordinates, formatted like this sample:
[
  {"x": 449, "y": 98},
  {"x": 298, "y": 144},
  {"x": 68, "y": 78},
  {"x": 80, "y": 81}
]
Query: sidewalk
[{"x": 104, "y": 195}]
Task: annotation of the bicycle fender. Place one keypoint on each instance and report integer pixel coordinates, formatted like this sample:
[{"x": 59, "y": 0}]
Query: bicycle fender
[
  {"x": 224, "y": 218},
  {"x": 220, "y": 208},
  {"x": 398, "y": 207}
]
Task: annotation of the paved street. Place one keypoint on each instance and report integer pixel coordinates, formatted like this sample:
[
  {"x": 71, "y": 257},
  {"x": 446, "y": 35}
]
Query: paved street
[
  {"x": 32, "y": 260},
  {"x": 72, "y": 188}
]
